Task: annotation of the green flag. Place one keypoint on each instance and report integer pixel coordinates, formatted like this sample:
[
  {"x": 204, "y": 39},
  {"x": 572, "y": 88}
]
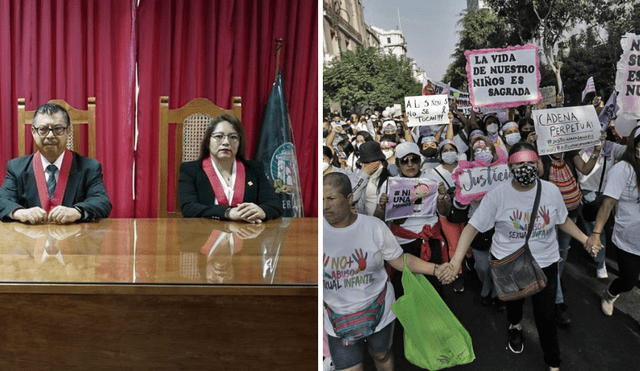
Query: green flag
[{"x": 278, "y": 154}]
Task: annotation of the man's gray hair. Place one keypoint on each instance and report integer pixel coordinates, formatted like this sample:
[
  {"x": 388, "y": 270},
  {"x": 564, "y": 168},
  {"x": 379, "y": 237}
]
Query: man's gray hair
[
  {"x": 50, "y": 109},
  {"x": 338, "y": 180}
]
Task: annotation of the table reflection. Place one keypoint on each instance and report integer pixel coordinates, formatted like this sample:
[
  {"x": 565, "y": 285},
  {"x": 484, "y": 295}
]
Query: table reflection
[{"x": 162, "y": 251}]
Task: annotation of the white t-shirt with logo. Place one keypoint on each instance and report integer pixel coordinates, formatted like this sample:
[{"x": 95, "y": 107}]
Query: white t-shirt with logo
[
  {"x": 353, "y": 267},
  {"x": 621, "y": 185},
  {"x": 509, "y": 210}
]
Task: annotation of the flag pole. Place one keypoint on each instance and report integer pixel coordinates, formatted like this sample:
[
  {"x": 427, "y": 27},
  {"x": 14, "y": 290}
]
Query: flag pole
[{"x": 278, "y": 46}]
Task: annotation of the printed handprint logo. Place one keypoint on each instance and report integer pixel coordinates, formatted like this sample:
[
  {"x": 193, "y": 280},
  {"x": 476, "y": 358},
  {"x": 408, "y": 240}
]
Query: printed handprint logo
[
  {"x": 544, "y": 213},
  {"x": 515, "y": 219},
  {"x": 325, "y": 261},
  {"x": 361, "y": 259}
]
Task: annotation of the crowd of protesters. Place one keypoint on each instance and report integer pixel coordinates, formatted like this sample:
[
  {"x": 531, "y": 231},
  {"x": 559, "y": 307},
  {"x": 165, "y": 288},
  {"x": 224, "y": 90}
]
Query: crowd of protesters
[{"x": 370, "y": 148}]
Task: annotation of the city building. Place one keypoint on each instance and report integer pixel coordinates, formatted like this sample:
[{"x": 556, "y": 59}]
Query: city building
[
  {"x": 475, "y": 4},
  {"x": 392, "y": 42},
  {"x": 343, "y": 27}
]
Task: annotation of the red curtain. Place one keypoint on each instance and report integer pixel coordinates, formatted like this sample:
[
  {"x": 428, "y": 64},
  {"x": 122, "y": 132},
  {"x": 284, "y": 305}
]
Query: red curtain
[
  {"x": 219, "y": 49},
  {"x": 71, "y": 50},
  {"x": 74, "y": 49}
]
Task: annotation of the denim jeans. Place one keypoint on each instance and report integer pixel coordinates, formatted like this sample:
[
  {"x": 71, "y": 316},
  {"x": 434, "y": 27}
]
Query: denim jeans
[
  {"x": 564, "y": 242},
  {"x": 481, "y": 266}
]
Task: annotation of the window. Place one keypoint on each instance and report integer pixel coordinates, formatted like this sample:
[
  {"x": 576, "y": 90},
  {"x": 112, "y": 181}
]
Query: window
[{"x": 388, "y": 40}]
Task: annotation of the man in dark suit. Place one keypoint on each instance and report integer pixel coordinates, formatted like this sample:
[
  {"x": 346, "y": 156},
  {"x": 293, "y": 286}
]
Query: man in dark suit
[{"x": 53, "y": 185}]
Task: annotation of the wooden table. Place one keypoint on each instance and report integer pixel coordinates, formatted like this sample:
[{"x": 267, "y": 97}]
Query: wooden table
[{"x": 159, "y": 294}]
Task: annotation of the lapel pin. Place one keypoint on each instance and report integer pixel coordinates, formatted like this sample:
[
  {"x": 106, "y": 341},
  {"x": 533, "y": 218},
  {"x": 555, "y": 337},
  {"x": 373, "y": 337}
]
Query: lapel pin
[{"x": 250, "y": 183}]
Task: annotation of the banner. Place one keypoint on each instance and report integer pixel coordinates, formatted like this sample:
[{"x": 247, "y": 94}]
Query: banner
[
  {"x": 474, "y": 179},
  {"x": 589, "y": 88},
  {"x": 411, "y": 197},
  {"x": 427, "y": 110},
  {"x": 548, "y": 96},
  {"x": 565, "y": 129},
  {"x": 608, "y": 112},
  {"x": 503, "y": 77},
  {"x": 277, "y": 153}
]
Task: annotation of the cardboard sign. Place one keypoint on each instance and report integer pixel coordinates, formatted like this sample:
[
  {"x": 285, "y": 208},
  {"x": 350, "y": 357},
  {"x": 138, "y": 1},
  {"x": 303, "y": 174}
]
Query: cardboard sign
[
  {"x": 462, "y": 99},
  {"x": 474, "y": 179},
  {"x": 503, "y": 77},
  {"x": 566, "y": 129},
  {"x": 411, "y": 197},
  {"x": 628, "y": 74},
  {"x": 427, "y": 110},
  {"x": 548, "y": 96}
]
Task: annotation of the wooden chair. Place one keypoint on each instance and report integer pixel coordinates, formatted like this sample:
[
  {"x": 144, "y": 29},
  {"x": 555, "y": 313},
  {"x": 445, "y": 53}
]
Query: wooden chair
[
  {"x": 77, "y": 117},
  {"x": 191, "y": 122}
]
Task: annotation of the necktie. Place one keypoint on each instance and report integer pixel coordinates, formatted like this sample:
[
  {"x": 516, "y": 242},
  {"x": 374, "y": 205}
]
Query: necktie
[{"x": 51, "y": 182}]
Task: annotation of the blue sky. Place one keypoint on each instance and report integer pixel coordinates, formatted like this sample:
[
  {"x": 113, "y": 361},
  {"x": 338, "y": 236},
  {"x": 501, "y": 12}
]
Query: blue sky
[{"x": 429, "y": 28}]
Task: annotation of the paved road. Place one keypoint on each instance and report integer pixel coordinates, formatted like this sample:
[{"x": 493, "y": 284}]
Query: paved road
[{"x": 591, "y": 342}]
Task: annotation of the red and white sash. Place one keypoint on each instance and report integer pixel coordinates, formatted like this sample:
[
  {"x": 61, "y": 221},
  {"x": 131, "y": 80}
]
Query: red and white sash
[
  {"x": 218, "y": 190},
  {"x": 43, "y": 192}
]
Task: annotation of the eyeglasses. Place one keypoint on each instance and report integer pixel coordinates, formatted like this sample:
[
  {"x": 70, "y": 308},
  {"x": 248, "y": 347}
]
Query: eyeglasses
[
  {"x": 480, "y": 150},
  {"x": 43, "y": 131},
  {"x": 233, "y": 138},
  {"x": 413, "y": 159}
]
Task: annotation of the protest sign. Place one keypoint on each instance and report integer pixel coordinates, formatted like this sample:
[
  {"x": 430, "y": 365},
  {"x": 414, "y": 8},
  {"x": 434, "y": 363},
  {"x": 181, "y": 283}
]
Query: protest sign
[
  {"x": 548, "y": 96},
  {"x": 411, "y": 197},
  {"x": 628, "y": 74},
  {"x": 566, "y": 129},
  {"x": 608, "y": 112},
  {"x": 474, "y": 179},
  {"x": 427, "y": 110},
  {"x": 503, "y": 77},
  {"x": 462, "y": 99}
]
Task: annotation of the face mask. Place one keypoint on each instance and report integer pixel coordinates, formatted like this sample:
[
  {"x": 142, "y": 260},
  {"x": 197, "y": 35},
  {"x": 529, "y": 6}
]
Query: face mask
[
  {"x": 524, "y": 135},
  {"x": 449, "y": 157},
  {"x": 358, "y": 145},
  {"x": 325, "y": 166},
  {"x": 512, "y": 138},
  {"x": 484, "y": 156},
  {"x": 492, "y": 128},
  {"x": 387, "y": 154},
  {"x": 429, "y": 152},
  {"x": 637, "y": 152},
  {"x": 525, "y": 175},
  {"x": 325, "y": 133}
]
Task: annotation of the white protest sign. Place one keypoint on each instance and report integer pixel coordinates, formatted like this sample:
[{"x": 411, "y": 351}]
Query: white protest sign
[
  {"x": 566, "y": 129},
  {"x": 503, "y": 77},
  {"x": 427, "y": 110},
  {"x": 628, "y": 74},
  {"x": 548, "y": 95}
]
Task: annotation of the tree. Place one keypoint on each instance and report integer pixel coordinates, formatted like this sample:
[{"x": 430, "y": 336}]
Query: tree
[
  {"x": 368, "y": 77},
  {"x": 548, "y": 21},
  {"x": 480, "y": 30}
]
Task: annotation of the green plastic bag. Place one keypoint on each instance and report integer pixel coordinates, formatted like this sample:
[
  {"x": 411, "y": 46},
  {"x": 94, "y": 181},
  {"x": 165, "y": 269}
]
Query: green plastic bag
[{"x": 433, "y": 337}]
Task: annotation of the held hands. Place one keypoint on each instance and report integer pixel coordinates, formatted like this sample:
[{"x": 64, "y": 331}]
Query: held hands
[
  {"x": 593, "y": 245},
  {"x": 37, "y": 215},
  {"x": 247, "y": 211},
  {"x": 446, "y": 273}
]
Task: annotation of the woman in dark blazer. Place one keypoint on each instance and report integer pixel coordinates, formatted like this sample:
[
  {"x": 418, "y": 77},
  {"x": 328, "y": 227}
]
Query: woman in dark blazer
[{"x": 221, "y": 184}]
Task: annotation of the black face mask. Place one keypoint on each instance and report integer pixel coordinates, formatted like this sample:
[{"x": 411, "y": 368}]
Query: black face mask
[
  {"x": 524, "y": 135},
  {"x": 429, "y": 152},
  {"x": 325, "y": 133}
]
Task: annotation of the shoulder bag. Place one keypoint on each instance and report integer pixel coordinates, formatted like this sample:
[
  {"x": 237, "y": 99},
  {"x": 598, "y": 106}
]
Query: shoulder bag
[{"x": 518, "y": 275}]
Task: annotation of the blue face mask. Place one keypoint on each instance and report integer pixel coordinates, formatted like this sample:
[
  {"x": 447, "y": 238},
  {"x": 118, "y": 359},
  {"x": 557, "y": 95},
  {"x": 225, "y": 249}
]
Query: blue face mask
[
  {"x": 512, "y": 138},
  {"x": 449, "y": 157}
]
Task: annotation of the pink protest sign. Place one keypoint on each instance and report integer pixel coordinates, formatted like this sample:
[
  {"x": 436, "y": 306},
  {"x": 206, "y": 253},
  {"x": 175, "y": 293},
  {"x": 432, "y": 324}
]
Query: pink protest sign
[
  {"x": 503, "y": 77},
  {"x": 628, "y": 74},
  {"x": 474, "y": 179},
  {"x": 411, "y": 197}
]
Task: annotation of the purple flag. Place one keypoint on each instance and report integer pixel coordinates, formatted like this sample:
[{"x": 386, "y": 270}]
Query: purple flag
[{"x": 608, "y": 112}]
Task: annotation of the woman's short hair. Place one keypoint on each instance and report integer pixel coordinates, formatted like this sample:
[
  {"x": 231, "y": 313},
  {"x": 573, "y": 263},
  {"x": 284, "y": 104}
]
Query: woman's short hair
[{"x": 237, "y": 126}]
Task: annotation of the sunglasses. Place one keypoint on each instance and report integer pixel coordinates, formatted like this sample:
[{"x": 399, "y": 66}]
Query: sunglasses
[{"x": 413, "y": 159}]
